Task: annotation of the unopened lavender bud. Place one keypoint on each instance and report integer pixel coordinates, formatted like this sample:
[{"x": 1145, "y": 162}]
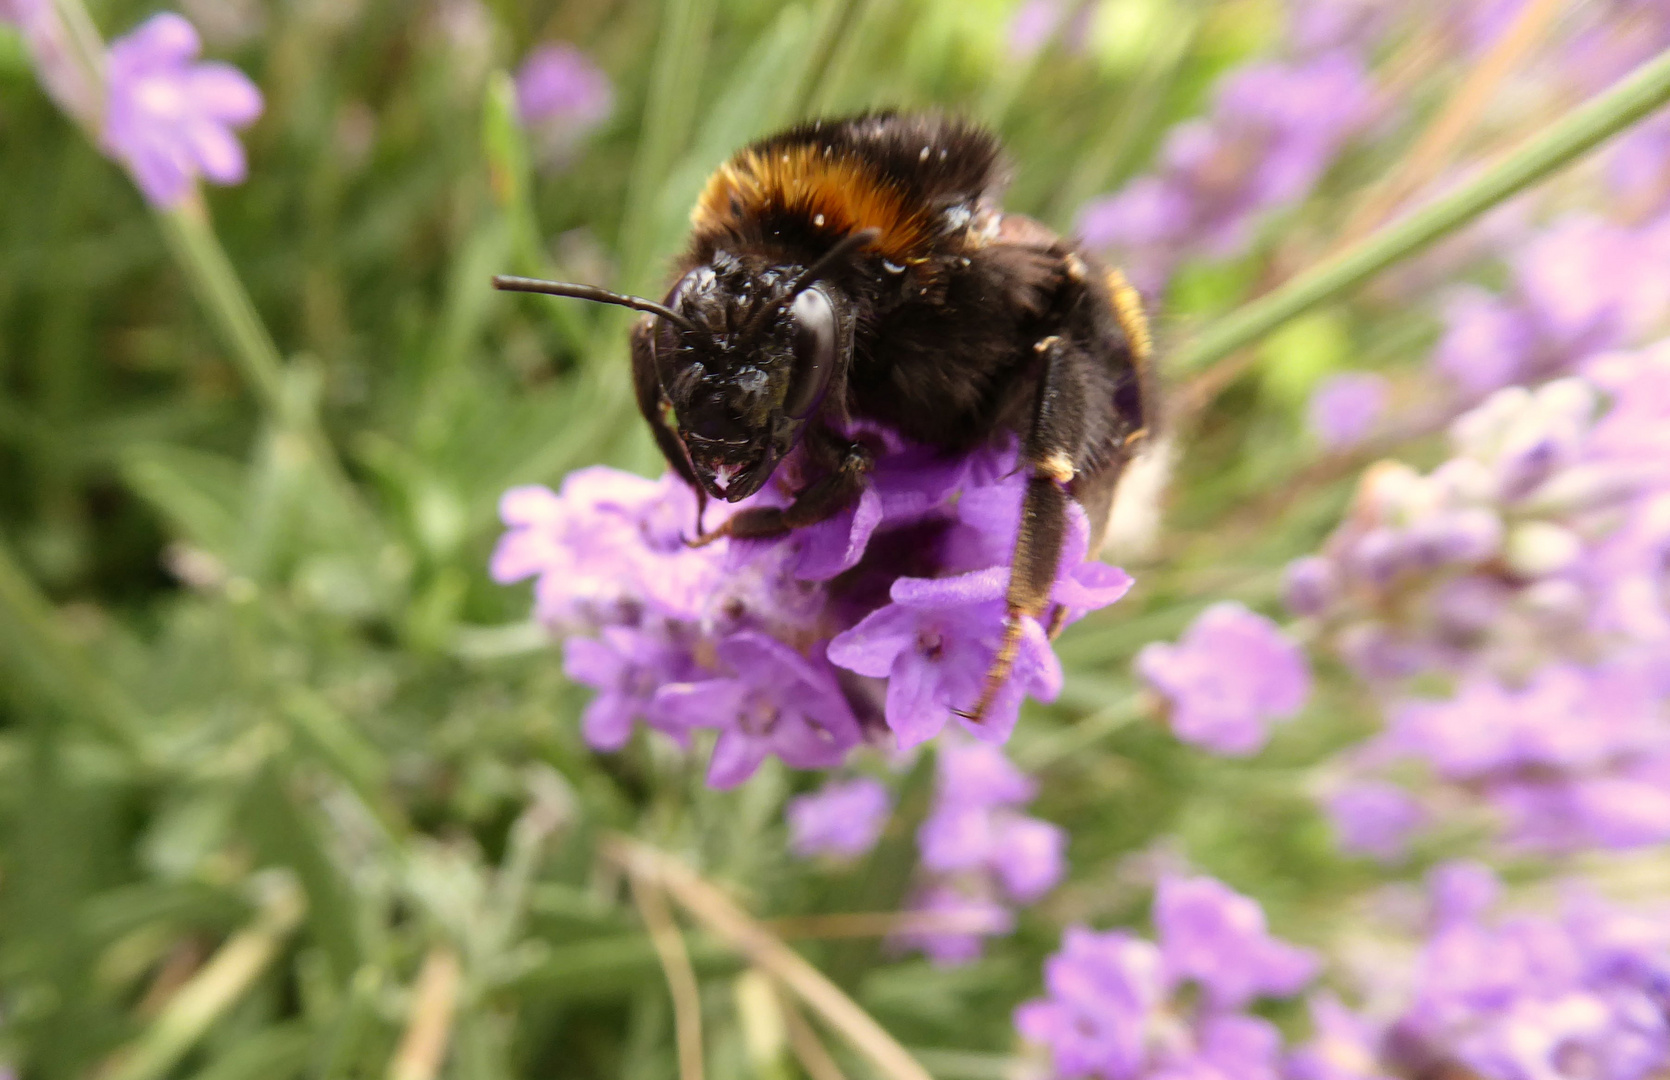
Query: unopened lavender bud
[
  {"x": 1376, "y": 654},
  {"x": 1536, "y": 548},
  {"x": 1379, "y": 556},
  {"x": 1523, "y": 469},
  {"x": 1467, "y": 606},
  {"x": 1386, "y": 487},
  {"x": 1465, "y": 537},
  {"x": 1583, "y": 488},
  {"x": 1311, "y": 585}
]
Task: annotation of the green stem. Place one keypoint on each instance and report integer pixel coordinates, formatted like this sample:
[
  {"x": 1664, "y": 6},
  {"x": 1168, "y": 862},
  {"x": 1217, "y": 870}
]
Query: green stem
[
  {"x": 197, "y": 250},
  {"x": 1567, "y": 139}
]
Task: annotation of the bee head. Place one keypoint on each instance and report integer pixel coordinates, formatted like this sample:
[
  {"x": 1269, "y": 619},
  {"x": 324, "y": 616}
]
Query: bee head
[
  {"x": 743, "y": 386},
  {"x": 745, "y": 351}
]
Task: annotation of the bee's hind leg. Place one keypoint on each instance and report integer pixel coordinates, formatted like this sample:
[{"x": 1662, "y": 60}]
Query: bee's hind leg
[{"x": 1048, "y": 455}]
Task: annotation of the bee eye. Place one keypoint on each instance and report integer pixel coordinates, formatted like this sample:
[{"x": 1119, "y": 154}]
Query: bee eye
[{"x": 814, "y": 352}]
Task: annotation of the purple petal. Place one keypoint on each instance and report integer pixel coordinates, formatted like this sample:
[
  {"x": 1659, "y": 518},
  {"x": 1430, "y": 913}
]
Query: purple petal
[
  {"x": 1089, "y": 586},
  {"x": 164, "y": 40},
  {"x": 979, "y": 587},
  {"x": 606, "y": 723},
  {"x": 223, "y": 93},
  {"x": 871, "y": 647},
  {"x": 736, "y": 757},
  {"x": 713, "y": 703},
  {"x": 916, "y": 709},
  {"x": 1030, "y": 857},
  {"x": 833, "y": 547},
  {"x": 217, "y": 152}
]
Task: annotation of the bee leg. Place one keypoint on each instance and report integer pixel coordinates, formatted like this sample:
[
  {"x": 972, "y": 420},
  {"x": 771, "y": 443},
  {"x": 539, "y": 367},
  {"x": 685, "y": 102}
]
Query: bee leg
[
  {"x": 820, "y": 501},
  {"x": 1047, "y": 455}
]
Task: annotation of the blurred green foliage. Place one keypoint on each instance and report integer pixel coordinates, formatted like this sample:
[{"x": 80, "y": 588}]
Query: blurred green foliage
[{"x": 247, "y": 641}]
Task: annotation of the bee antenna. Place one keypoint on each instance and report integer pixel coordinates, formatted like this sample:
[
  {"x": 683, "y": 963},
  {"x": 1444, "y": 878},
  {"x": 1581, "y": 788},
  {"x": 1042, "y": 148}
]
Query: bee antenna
[
  {"x": 593, "y": 293},
  {"x": 842, "y": 250}
]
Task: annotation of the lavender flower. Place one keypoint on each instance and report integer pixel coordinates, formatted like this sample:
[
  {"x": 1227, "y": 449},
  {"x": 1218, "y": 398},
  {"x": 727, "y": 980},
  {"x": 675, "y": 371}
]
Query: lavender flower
[
  {"x": 1580, "y": 286},
  {"x": 1575, "y": 758},
  {"x": 843, "y": 819},
  {"x": 561, "y": 96},
  {"x": 1272, "y": 133},
  {"x": 1373, "y": 817},
  {"x": 1232, "y": 673},
  {"x": 1496, "y": 560},
  {"x": 972, "y": 917},
  {"x": 776, "y": 701},
  {"x": 1345, "y": 408},
  {"x": 975, "y": 842},
  {"x": 973, "y": 828},
  {"x": 1530, "y": 997},
  {"x": 934, "y": 643},
  {"x": 904, "y": 590},
  {"x": 1215, "y": 936},
  {"x": 1112, "y": 1008},
  {"x": 170, "y": 120}
]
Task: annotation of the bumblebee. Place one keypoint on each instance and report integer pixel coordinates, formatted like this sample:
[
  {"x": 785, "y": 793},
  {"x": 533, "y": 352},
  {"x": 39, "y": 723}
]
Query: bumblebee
[{"x": 862, "y": 269}]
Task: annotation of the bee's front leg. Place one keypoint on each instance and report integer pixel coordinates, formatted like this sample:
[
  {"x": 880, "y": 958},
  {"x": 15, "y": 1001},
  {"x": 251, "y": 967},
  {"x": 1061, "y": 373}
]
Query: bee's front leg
[{"x": 819, "y": 501}]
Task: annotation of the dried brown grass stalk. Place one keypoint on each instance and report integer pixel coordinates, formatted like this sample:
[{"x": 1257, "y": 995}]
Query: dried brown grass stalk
[{"x": 766, "y": 951}]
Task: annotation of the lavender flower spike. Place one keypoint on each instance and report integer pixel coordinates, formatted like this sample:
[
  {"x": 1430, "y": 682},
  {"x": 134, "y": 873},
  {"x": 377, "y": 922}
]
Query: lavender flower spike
[
  {"x": 844, "y": 819},
  {"x": 170, "y": 120},
  {"x": 1344, "y": 409},
  {"x": 561, "y": 95},
  {"x": 1215, "y": 936},
  {"x": 1231, "y": 674},
  {"x": 778, "y": 702}
]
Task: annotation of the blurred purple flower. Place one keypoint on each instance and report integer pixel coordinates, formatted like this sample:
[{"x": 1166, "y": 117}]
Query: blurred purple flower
[
  {"x": 1577, "y": 757},
  {"x": 1273, "y": 131},
  {"x": 1487, "y": 341},
  {"x": 979, "y": 774},
  {"x": 1638, "y": 168},
  {"x": 1580, "y": 286},
  {"x": 1315, "y": 26},
  {"x": 976, "y": 841},
  {"x": 1345, "y": 408},
  {"x": 843, "y": 819},
  {"x": 1103, "y": 990},
  {"x": 1032, "y": 25},
  {"x": 1536, "y": 998},
  {"x": 1372, "y": 817},
  {"x": 1232, "y": 673},
  {"x": 1342, "y": 1046},
  {"x": 777, "y": 702},
  {"x": 1215, "y": 936},
  {"x": 970, "y": 920},
  {"x": 1111, "y": 1009},
  {"x": 626, "y": 666},
  {"x": 170, "y": 119},
  {"x": 561, "y": 96}
]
